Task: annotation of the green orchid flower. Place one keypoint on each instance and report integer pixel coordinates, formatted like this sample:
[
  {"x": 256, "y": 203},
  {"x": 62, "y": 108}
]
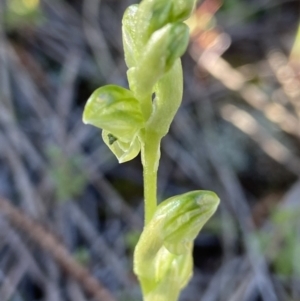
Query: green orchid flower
[
  {"x": 163, "y": 256},
  {"x": 116, "y": 111},
  {"x": 134, "y": 121},
  {"x": 164, "y": 47},
  {"x": 129, "y": 35},
  {"x": 153, "y": 15}
]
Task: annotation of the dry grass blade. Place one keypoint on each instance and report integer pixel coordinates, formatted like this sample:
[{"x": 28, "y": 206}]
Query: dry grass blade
[
  {"x": 49, "y": 243},
  {"x": 273, "y": 148}
]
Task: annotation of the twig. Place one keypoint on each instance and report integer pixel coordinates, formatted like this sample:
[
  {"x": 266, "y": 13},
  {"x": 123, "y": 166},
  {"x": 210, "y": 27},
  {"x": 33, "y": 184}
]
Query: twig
[
  {"x": 98, "y": 243},
  {"x": 233, "y": 270},
  {"x": 49, "y": 243},
  {"x": 75, "y": 292},
  {"x": 273, "y": 148},
  {"x": 286, "y": 76},
  {"x": 12, "y": 280},
  {"x": 116, "y": 204},
  {"x": 257, "y": 98},
  {"x": 28, "y": 195},
  {"x": 9, "y": 236},
  {"x": 234, "y": 194},
  {"x": 187, "y": 163},
  {"x": 96, "y": 40}
]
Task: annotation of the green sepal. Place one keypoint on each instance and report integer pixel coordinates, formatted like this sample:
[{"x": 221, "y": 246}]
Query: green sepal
[
  {"x": 182, "y": 9},
  {"x": 151, "y": 16},
  {"x": 176, "y": 221},
  {"x": 173, "y": 280},
  {"x": 185, "y": 215},
  {"x": 154, "y": 14},
  {"x": 129, "y": 35},
  {"x": 168, "y": 95},
  {"x": 124, "y": 151},
  {"x": 163, "y": 48},
  {"x": 115, "y": 110}
]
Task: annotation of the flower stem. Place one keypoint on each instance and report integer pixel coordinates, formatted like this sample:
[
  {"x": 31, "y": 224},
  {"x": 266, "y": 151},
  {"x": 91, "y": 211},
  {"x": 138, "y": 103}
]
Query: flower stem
[{"x": 150, "y": 159}]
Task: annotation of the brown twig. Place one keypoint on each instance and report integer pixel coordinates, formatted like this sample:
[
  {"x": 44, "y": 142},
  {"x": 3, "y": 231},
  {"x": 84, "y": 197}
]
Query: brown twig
[{"x": 50, "y": 243}]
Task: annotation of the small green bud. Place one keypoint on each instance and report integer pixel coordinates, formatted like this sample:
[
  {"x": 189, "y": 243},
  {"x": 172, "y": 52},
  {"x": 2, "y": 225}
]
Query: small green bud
[
  {"x": 154, "y": 14},
  {"x": 160, "y": 15},
  {"x": 164, "y": 47},
  {"x": 179, "y": 39},
  {"x": 185, "y": 215},
  {"x": 182, "y": 9},
  {"x": 129, "y": 35},
  {"x": 115, "y": 110},
  {"x": 151, "y": 16}
]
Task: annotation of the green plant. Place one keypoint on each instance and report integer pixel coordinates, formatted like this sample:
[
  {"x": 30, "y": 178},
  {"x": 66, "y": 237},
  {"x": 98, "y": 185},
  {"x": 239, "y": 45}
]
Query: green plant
[
  {"x": 280, "y": 241},
  {"x": 154, "y": 38},
  {"x": 63, "y": 168},
  {"x": 20, "y": 13}
]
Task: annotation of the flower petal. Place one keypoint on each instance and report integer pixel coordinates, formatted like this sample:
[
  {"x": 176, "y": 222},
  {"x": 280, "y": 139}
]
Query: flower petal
[
  {"x": 114, "y": 109},
  {"x": 122, "y": 150}
]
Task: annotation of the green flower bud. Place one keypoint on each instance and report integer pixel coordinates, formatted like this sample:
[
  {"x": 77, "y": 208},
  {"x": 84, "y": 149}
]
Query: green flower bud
[
  {"x": 164, "y": 47},
  {"x": 151, "y": 16},
  {"x": 163, "y": 255},
  {"x": 182, "y": 9},
  {"x": 154, "y": 14},
  {"x": 129, "y": 35},
  {"x": 186, "y": 215},
  {"x": 178, "y": 42}
]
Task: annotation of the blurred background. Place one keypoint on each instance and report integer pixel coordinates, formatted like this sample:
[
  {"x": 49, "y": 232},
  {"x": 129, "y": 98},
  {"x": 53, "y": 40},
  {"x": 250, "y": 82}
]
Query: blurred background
[{"x": 70, "y": 215}]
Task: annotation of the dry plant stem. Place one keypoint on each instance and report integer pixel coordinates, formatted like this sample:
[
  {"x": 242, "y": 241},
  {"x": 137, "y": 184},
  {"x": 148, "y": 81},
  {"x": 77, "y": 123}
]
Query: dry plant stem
[
  {"x": 50, "y": 243},
  {"x": 239, "y": 204}
]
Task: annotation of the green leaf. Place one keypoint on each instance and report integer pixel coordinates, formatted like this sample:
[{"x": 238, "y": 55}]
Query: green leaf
[
  {"x": 115, "y": 110},
  {"x": 64, "y": 171}
]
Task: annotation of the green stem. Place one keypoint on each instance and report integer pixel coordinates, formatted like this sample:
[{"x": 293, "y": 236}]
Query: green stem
[
  {"x": 146, "y": 106},
  {"x": 150, "y": 159}
]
